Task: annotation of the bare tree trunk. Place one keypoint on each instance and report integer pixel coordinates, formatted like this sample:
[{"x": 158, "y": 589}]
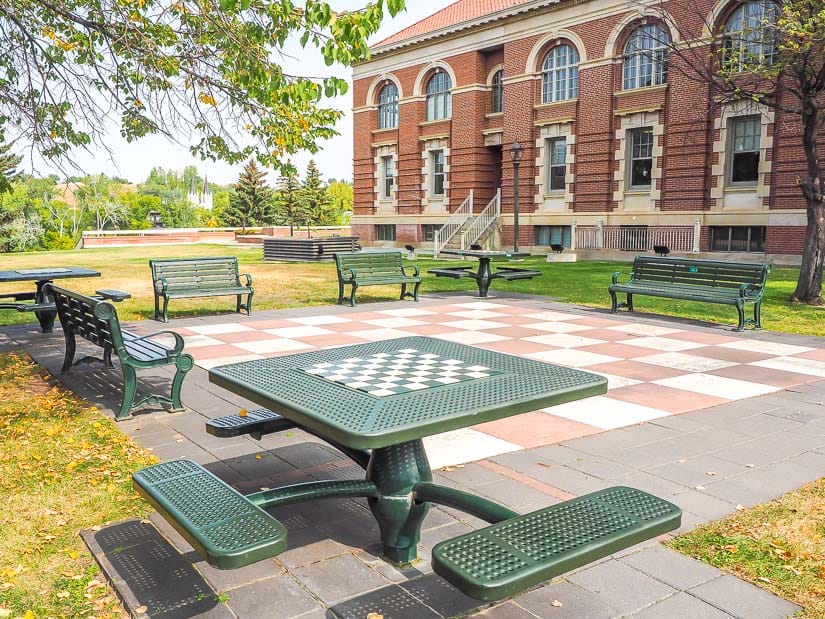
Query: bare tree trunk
[{"x": 809, "y": 286}]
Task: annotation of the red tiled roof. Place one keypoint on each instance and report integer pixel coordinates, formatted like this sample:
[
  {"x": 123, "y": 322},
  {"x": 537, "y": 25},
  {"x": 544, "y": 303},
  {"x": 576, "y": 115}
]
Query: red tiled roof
[{"x": 456, "y": 13}]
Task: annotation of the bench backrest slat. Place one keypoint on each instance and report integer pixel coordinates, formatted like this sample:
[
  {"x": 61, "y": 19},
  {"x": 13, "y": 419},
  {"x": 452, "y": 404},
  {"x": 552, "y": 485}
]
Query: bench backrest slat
[
  {"x": 372, "y": 264},
  {"x": 93, "y": 319},
  {"x": 196, "y": 273},
  {"x": 694, "y": 272}
]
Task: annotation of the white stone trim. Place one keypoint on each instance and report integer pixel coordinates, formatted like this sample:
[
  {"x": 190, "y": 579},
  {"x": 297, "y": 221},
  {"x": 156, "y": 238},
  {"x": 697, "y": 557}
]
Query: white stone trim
[
  {"x": 543, "y": 198},
  {"x": 418, "y": 87},
  {"x": 719, "y": 186},
  {"x": 381, "y": 203},
  {"x": 372, "y": 92},
  {"x": 533, "y": 59},
  {"x": 639, "y": 13},
  {"x": 428, "y": 201},
  {"x": 498, "y": 67},
  {"x": 631, "y": 121}
]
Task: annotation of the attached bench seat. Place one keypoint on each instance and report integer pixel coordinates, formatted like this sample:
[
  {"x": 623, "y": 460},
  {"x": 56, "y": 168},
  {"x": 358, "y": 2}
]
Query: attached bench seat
[
  {"x": 500, "y": 560},
  {"x": 221, "y": 524},
  {"x": 706, "y": 281},
  {"x": 96, "y": 321},
  {"x": 514, "y": 273},
  {"x": 183, "y": 278},
  {"x": 374, "y": 269},
  {"x": 454, "y": 272},
  {"x": 256, "y": 423}
]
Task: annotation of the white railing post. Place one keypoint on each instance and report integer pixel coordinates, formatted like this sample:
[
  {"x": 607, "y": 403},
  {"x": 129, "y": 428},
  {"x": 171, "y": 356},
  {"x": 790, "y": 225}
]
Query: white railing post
[
  {"x": 573, "y": 235},
  {"x": 697, "y": 231},
  {"x": 600, "y": 234},
  {"x": 443, "y": 235}
]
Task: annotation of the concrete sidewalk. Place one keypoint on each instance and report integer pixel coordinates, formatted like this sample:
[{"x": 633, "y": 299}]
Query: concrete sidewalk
[{"x": 758, "y": 448}]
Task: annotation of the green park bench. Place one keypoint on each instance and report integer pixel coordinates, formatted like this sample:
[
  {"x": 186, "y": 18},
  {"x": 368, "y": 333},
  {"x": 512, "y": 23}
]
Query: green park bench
[
  {"x": 516, "y": 552},
  {"x": 186, "y": 278},
  {"x": 706, "y": 281},
  {"x": 374, "y": 269},
  {"x": 95, "y": 320}
]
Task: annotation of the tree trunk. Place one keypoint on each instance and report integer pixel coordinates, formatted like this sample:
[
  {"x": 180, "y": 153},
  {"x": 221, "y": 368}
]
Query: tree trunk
[{"x": 809, "y": 286}]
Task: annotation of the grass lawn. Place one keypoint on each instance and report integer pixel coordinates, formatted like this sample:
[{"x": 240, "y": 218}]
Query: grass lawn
[
  {"x": 64, "y": 467},
  {"x": 281, "y": 285},
  {"x": 779, "y": 546}
]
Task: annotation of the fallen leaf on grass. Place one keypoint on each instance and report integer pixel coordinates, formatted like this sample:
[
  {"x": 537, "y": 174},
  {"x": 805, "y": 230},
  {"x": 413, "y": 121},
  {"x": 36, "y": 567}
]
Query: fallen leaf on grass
[
  {"x": 731, "y": 548},
  {"x": 63, "y": 595}
]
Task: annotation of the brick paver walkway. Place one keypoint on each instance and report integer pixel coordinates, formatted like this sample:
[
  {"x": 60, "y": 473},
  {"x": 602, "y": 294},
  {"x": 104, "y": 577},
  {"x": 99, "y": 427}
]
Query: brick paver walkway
[{"x": 760, "y": 430}]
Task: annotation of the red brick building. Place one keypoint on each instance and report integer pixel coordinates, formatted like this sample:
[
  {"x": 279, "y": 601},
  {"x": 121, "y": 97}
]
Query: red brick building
[{"x": 620, "y": 150}]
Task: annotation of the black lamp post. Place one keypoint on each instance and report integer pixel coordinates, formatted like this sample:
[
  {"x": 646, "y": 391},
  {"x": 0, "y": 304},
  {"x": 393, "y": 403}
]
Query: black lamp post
[{"x": 516, "y": 151}]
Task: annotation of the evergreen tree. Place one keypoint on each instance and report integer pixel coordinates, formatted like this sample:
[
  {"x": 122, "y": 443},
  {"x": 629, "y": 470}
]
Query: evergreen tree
[
  {"x": 250, "y": 203},
  {"x": 8, "y": 163},
  {"x": 288, "y": 202},
  {"x": 315, "y": 197}
]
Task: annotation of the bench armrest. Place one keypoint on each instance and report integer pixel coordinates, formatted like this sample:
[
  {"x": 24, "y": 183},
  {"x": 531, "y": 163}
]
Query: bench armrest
[
  {"x": 161, "y": 284},
  {"x": 344, "y": 272},
  {"x": 416, "y": 271},
  {"x": 744, "y": 289},
  {"x": 615, "y": 278},
  {"x": 178, "y": 339},
  {"x": 248, "y": 279}
]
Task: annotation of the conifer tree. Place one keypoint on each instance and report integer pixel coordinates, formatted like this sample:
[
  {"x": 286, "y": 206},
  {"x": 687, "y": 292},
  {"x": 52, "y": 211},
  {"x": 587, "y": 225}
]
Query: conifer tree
[
  {"x": 250, "y": 203},
  {"x": 315, "y": 197},
  {"x": 8, "y": 163},
  {"x": 288, "y": 199}
]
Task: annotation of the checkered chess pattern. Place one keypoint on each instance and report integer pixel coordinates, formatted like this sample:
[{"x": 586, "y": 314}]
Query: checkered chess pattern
[
  {"x": 407, "y": 370},
  {"x": 653, "y": 370}
]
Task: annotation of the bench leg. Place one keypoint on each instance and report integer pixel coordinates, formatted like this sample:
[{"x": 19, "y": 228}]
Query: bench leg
[
  {"x": 183, "y": 364},
  {"x": 614, "y": 302},
  {"x": 403, "y": 292},
  {"x": 249, "y": 303},
  {"x": 107, "y": 358},
  {"x": 415, "y": 291},
  {"x": 129, "y": 391},
  {"x": 757, "y": 314},
  {"x": 340, "y": 293},
  {"x": 629, "y": 302},
  {"x": 165, "y": 316},
  {"x": 157, "y": 307},
  {"x": 741, "y": 310},
  {"x": 71, "y": 346},
  {"x": 352, "y": 295}
]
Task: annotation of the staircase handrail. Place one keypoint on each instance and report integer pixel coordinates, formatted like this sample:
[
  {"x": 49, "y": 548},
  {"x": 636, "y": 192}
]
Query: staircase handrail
[
  {"x": 483, "y": 221},
  {"x": 443, "y": 235}
]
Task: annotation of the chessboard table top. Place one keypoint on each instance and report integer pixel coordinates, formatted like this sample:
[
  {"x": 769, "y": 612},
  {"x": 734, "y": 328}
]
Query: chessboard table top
[{"x": 383, "y": 393}]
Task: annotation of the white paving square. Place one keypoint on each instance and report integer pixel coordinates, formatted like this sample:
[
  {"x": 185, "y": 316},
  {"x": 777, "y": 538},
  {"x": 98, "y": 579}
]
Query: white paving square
[
  {"x": 768, "y": 348},
  {"x": 224, "y": 327},
  {"x": 617, "y": 382},
  {"x": 688, "y": 363},
  {"x": 394, "y": 322},
  {"x": 199, "y": 341},
  {"x": 406, "y": 312},
  {"x": 208, "y": 364},
  {"x": 471, "y": 337},
  {"x": 550, "y": 316},
  {"x": 262, "y": 347},
  {"x": 474, "y": 325},
  {"x": 661, "y": 343},
  {"x": 717, "y": 386},
  {"x": 557, "y": 327},
  {"x": 643, "y": 329},
  {"x": 320, "y": 320},
  {"x": 811, "y": 367},
  {"x": 605, "y": 413},
  {"x": 481, "y": 305},
  {"x": 462, "y": 446},
  {"x": 475, "y": 313},
  {"x": 304, "y": 331},
  {"x": 563, "y": 340},
  {"x": 572, "y": 358},
  {"x": 375, "y": 335}
]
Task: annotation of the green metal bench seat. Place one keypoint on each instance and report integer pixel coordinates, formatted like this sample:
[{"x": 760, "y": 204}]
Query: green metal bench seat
[
  {"x": 221, "y": 524},
  {"x": 454, "y": 272},
  {"x": 96, "y": 321},
  {"x": 706, "y": 281},
  {"x": 255, "y": 423},
  {"x": 374, "y": 269},
  {"x": 515, "y": 554},
  {"x": 513, "y": 273},
  {"x": 183, "y": 278}
]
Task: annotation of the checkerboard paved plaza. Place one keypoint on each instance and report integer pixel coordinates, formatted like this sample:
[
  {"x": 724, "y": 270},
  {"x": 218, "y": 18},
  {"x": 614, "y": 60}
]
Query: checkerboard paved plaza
[{"x": 653, "y": 370}]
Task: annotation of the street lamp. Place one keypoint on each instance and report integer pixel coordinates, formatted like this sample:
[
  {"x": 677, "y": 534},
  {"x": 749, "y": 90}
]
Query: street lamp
[{"x": 516, "y": 151}]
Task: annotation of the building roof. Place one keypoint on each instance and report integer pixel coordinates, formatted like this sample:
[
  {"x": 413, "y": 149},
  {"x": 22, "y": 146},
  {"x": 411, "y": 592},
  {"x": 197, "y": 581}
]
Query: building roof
[{"x": 452, "y": 15}]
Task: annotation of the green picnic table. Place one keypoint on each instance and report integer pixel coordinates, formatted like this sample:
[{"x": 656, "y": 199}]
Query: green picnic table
[
  {"x": 485, "y": 276},
  {"x": 375, "y": 402}
]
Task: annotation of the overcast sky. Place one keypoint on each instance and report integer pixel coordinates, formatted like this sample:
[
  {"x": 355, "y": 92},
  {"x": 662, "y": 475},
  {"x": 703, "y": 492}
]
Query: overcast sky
[{"x": 133, "y": 161}]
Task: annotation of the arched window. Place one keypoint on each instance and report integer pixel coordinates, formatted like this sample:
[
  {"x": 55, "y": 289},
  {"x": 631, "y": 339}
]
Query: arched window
[
  {"x": 439, "y": 99},
  {"x": 645, "y": 57},
  {"x": 388, "y": 107},
  {"x": 560, "y": 74},
  {"x": 748, "y": 41},
  {"x": 498, "y": 91}
]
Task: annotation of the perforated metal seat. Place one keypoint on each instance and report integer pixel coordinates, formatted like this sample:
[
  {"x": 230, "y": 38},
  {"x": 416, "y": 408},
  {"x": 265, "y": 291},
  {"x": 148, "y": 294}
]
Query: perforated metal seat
[
  {"x": 256, "y": 422},
  {"x": 510, "y": 556},
  {"x": 221, "y": 524}
]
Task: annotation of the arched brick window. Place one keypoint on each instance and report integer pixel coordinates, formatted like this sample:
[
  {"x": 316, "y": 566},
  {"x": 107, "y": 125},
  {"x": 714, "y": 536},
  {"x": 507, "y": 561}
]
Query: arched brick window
[
  {"x": 388, "y": 107},
  {"x": 439, "y": 98},
  {"x": 560, "y": 74},
  {"x": 498, "y": 92},
  {"x": 645, "y": 57},
  {"x": 748, "y": 41}
]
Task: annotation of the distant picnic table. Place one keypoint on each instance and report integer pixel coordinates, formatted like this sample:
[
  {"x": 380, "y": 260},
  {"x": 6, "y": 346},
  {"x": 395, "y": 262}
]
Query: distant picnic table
[{"x": 484, "y": 276}]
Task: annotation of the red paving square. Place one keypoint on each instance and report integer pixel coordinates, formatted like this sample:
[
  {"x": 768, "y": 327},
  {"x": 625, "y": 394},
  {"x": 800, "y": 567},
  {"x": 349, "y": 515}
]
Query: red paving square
[
  {"x": 516, "y": 320},
  {"x": 513, "y": 309},
  {"x": 622, "y": 351},
  {"x": 244, "y": 336},
  {"x": 599, "y": 323},
  {"x": 332, "y": 339},
  {"x": 636, "y": 370},
  {"x": 665, "y": 398},
  {"x": 536, "y": 429},
  {"x": 765, "y": 376},
  {"x": 346, "y": 327},
  {"x": 218, "y": 351},
  {"x": 608, "y": 335},
  {"x": 356, "y": 315},
  {"x": 513, "y": 331},
  {"x": 816, "y": 355},
  {"x": 728, "y": 354},
  {"x": 429, "y": 329},
  {"x": 711, "y": 339},
  {"x": 270, "y": 324},
  {"x": 516, "y": 347}
]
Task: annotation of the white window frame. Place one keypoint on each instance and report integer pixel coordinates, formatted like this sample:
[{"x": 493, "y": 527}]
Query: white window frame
[
  {"x": 732, "y": 149},
  {"x": 746, "y": 43},
  {"x": 645, "y": 57},
  {"x": 560, "y": 74},
  {"x": 631, "y": 157},
  {"x": 551, "y": 143},
  {"x": 388, "y": 106},
  {"x": 387, "y": 177},
  {"x": 497, "y": 85},
  {"x": 439, "y": 96},
  {"x": 435, "y": 155}
]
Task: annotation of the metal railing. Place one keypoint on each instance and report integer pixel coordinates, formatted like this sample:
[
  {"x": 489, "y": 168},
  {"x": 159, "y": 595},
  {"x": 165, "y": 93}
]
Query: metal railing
[
  {"x": 637, "y": 238},
  {"x": 456, "y": 221},
  {"x": 483, "y": 222}
]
